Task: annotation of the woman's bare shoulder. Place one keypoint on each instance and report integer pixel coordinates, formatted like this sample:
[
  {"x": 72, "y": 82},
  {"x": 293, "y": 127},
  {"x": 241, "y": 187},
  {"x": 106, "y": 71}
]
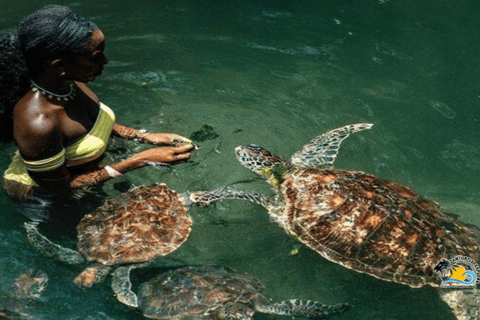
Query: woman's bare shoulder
[{"x": 37, "y": 129}]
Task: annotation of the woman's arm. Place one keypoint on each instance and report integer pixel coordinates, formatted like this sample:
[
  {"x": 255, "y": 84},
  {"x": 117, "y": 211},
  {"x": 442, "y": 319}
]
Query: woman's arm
[
  {"x": 128, "y": 133},
  {"x": 146, "y": 137},
  {"x": 102, "y": 175},
  {"x": 139, "y": 160}
]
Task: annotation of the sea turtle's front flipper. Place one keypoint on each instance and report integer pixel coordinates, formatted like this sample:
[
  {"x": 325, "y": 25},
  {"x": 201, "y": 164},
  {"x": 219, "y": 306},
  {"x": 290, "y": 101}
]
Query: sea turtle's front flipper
[
  {"x": 465, "y": 303},
  {"x": 96, "y": 273},
  {"x": 208, "y": 197},
  {"x": 322, "y": 150},
  {"x": 301, "y": 308},
  {"x": 122, "y": 286},
  {"x": 51, "y": 249}
]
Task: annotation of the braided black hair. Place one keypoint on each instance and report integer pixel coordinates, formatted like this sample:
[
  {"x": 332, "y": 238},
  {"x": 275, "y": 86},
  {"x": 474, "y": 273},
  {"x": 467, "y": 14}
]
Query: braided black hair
[{"x": 53, "y": 32}]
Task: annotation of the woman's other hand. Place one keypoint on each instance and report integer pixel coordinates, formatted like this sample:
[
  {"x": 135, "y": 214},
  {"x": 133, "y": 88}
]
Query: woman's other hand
[{"x": 167, "y": 139}]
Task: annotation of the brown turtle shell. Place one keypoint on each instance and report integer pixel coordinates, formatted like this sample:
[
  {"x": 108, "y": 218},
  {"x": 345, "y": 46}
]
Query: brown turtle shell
[
  {"x": 197, "y": 293},
  {"x": 145, "y": 223},
  {"x": 374, "y": 226}
]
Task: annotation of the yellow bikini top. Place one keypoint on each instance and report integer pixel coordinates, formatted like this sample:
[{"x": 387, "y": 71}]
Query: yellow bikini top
[{"x": 88, "y": 148}]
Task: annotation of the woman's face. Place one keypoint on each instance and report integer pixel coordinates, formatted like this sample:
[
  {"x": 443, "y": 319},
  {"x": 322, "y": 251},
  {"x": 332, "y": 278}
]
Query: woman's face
[{"x": 89, "y": 66}]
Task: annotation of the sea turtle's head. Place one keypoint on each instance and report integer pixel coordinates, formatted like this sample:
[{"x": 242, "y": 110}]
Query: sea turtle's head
[{"x": 264, "y": 163}]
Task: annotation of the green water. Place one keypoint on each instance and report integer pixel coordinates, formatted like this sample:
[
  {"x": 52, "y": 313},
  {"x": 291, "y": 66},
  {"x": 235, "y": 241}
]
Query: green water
[{"x": 278, "y": 73}]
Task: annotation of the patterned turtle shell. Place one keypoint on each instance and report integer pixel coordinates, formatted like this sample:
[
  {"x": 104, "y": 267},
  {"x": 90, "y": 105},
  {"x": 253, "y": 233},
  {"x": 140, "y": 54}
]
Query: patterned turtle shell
[
  {"x": 196, "y": 292},
  {"x": 146, "y": 223},
  {"x": 373, "y": 225}
]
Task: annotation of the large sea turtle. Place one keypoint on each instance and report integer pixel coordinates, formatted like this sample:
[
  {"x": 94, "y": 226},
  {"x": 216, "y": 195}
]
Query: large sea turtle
[
  {"x": 26, "y": 288},
  {"x": 216, "y": 292},
  {"x": 363, "y": 222},
  {"x": 143, "y": 224}
]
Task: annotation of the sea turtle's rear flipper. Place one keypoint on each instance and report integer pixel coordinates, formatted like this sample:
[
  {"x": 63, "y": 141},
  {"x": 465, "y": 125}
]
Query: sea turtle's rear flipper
[
  {"x": 122, "y": 286},
  {"x": 302, "y": 308},
  {"x": 465, "y": 303},
  {"x": 322, "y": 150},
  {"x": 51, "y": 249},
  {"x": 208, "y": 197}
]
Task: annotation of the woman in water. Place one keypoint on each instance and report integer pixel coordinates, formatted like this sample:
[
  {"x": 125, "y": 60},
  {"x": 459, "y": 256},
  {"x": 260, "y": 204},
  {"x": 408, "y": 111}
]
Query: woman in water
[{"x": 60, "y": 126}]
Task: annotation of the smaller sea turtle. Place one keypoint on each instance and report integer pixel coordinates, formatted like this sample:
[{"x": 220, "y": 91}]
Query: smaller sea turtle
[
  {"x": 363, "y": 222},
  {"x": 215, "y": 292},
  {"x": 137, "y": 227},
  {"x": 26, "y": 288}
]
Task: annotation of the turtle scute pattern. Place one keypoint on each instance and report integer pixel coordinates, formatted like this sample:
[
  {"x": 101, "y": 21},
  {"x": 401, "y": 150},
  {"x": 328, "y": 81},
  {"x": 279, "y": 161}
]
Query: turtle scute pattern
[
  {"x": 146, "y": 223},
  {"x": 196, "y": 293},
  {"x": 375, "y": 226}
]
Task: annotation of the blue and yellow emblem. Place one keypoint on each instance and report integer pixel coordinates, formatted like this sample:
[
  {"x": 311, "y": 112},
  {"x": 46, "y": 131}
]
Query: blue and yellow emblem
[{"x": 458, "y": 272}]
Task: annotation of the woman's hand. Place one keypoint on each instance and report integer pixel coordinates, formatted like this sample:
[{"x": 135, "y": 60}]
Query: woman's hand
[
  {"x": 164, "y": 155},
  {"x": 166, "y": 139}
]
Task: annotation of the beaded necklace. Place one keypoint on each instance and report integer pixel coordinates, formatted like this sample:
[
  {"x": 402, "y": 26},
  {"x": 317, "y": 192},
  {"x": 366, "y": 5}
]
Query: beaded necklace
[{"x": 51, "y": 95}]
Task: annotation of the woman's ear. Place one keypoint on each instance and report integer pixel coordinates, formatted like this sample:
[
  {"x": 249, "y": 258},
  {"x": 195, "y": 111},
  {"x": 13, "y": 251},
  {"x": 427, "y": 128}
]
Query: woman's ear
[{"x": 59, "y": 68}]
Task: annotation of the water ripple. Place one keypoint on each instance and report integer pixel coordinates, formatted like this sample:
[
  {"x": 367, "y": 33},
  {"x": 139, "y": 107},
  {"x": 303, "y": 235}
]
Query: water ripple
[
  {"x": 443, "y": 109},
  {"x": 274, "y": 14},
  {"x": 308, "y": 50}
]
